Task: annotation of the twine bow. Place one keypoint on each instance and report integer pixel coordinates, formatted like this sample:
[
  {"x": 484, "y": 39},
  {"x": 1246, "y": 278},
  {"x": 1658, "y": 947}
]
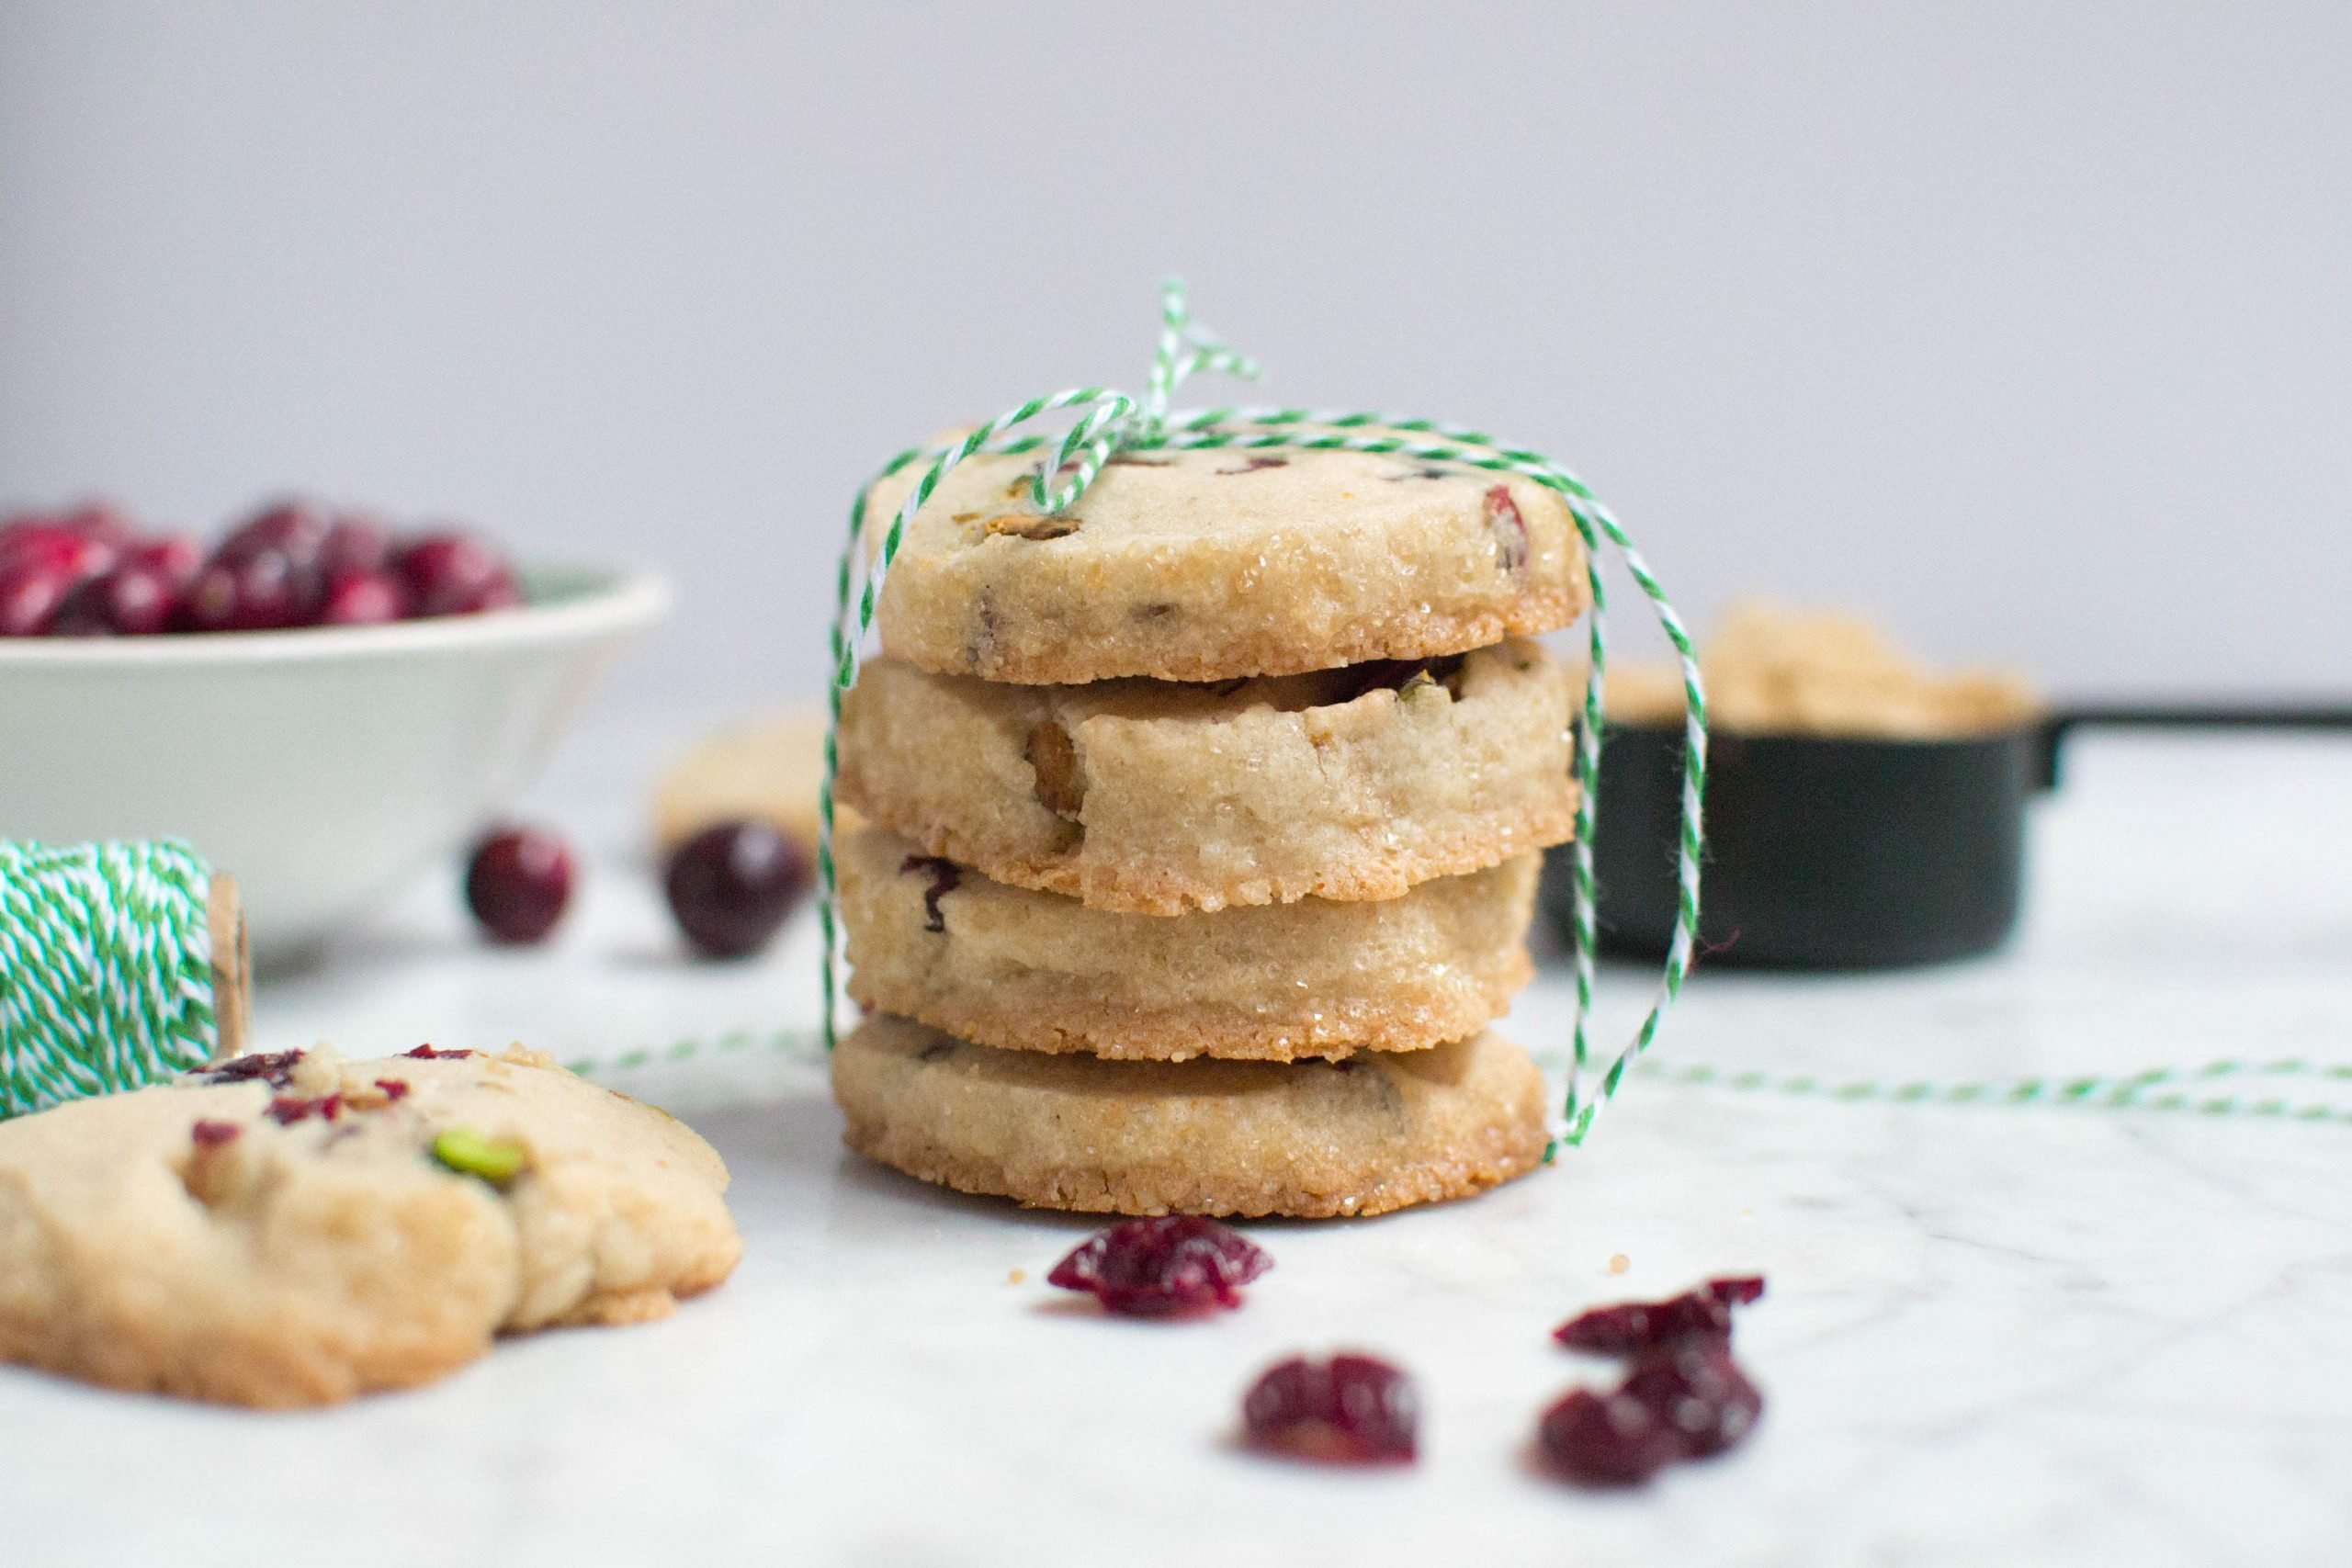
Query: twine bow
[{"x": 1110, "y": 423}]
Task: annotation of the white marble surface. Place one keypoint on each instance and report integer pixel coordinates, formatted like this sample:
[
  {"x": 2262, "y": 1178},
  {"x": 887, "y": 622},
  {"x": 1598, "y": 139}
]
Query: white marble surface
[{"x": 1993, "y": 1335}]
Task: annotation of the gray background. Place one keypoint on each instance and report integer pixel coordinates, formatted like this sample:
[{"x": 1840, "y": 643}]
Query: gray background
[{"x": 2025, "y": 327}]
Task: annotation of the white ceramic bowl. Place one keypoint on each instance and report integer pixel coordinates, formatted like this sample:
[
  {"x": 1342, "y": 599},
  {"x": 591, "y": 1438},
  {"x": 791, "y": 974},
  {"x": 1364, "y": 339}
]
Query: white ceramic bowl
[{"x": 319, "y": 765}]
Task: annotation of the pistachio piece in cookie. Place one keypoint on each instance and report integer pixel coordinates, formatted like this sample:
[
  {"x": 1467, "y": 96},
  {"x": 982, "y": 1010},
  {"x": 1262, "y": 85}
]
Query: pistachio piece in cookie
[{"x": 298, "y": 1228}]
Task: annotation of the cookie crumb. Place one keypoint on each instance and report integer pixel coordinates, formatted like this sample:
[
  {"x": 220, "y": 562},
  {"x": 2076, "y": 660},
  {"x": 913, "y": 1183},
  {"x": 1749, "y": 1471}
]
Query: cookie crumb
[
  {"x": 1619, "y": 1263},
  {"x": 1016, "y": 1277}
]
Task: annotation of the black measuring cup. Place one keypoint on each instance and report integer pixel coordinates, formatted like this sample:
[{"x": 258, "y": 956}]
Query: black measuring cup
[{"x": 1836, "y": 852}]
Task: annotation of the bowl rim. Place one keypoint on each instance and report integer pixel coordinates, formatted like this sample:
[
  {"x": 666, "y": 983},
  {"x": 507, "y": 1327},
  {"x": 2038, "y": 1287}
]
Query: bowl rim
[{"x": 587, "y": 600}]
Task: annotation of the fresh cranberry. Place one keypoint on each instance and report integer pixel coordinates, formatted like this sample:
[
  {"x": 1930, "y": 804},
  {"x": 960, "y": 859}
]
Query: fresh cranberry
[
  {"x": 294, "y": 529},
  {"x": 1631, "y": 1327},
  {"x": 1353, "y": 1409},
  {"x": 731, "y": 885},
  {"x": 102, "y": 522},
  {"x": 133, "y": 600},
  {"x": 1151, "y": 1268},
  {"x": 262, "y": 592},
  {"x": 455, "y": 574},
  {"x": 175, "y": 557},
  {"x": 1606, "y": 1440},
  {"x": 364, "y": 599},
  {"x": 354, "y": 544},
  {"x": 519, "y": 883},
  {"x": 1698, "y": 1391},
  {"x": 30, "y": 594}
]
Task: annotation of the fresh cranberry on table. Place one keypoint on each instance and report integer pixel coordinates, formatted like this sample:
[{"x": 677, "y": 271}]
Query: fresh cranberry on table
[
  {"x": 731, "y": 885},
  {"x": 1630, "y": 1327},
  {"x": 519, "y": 883},
  {"x": 455, "y": 574},
  {"x": 1175, "y": 1263},
  {"x": 1698, "y": 1390},
  {"x": 1352, "y": 1409}
]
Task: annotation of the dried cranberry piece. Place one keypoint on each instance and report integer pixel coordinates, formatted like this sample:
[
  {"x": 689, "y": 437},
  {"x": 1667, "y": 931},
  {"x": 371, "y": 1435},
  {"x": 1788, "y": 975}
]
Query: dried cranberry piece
[
  {"x": 1176, "y": 1263},
  {"x": 1698, "y": 1391},
  {"x": 364, "y": 599},
  {"x": 519, "y": 883},
  {"x": 210, "y": 1134},
  {"x": 287, "y": 1109},
  {"x": 1606, "y": 1440},
  {"x": 1508, "y": 528},
  {"x": 1251, "y": 465},
  {"x": 396, "y": 1089},
  {"x": 731, "y": 885},
  {"x": 1353, "y": 1409},
  {"x": 427, "y": 1054},
  {"x": 453, "y": 573},
  {"x": 275, "y": 1068},
  {"x": 945, "y": 874},
  {"x": 1631, "y": 1327}
]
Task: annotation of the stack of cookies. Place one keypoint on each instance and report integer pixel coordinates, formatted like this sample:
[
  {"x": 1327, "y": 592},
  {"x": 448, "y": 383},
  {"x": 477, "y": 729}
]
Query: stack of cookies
[{"x": 1200, "y": 831}]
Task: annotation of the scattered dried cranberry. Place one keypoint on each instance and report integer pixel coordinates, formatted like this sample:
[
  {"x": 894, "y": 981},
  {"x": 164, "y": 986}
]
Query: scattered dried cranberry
[
  {"x": 731, "y": 885},
  {"x": 1698, "y": 1391},
  {"x": 455, "y": 574},
  {"x": 396, "y": 1089},
  {"x": 289, "y": 1109},
  {"x": 1631, "y": 1327},
  {"x": 427, "y": 1054},
  {"x": 1176, "y": 1263},
  {"x": 209, "y": 1134},
  {"x": 945, "y": 874},
  {"x": 1353, "y": 1409},
  {"x": 275, "y": 1068},
  {"x": 519, "y": 883},
  {"x": 1606, "y": 1440}
]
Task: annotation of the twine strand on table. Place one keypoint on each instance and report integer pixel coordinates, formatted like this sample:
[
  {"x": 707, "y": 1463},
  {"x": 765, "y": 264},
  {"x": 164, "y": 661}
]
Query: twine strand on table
[
  {"x": 106, "y": 979},
  {"x": 1110, "y": 423}
]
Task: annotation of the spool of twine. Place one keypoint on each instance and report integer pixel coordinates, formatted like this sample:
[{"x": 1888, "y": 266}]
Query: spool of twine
[{"x": 121, "y": 964}]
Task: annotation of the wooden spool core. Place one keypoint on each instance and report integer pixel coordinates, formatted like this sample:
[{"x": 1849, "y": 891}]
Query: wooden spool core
[{"x": 232, "y": 966}]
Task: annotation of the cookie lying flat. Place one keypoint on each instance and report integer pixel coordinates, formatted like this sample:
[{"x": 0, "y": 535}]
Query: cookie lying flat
[
  {"x": 1151, "y": 797},
  {"x": 769, "y": 770},
  {"x": 1205, "y": 565},
  {"x": 1362, "y": 1137},
  {"x": 281, "y": 1231},
  {"x": 1038, "y": 972}
]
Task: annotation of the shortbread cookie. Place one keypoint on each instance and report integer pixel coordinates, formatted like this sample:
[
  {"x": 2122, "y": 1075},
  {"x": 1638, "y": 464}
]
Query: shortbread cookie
[
  {"x": 1152, "y": 798},
  {"x": 1312, "y": 1138},
  {"x": 768, "y": 770},
  {"x": 1208, "y": 565},
  {"x": 1039, "y": 972},
  {"x": 296, "y": 1229}
]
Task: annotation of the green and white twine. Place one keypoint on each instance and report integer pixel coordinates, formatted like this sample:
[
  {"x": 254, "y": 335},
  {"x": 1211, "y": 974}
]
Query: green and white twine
[
  {"x": 1109, "y": 423},
  {"x": 106, "y": 969}
]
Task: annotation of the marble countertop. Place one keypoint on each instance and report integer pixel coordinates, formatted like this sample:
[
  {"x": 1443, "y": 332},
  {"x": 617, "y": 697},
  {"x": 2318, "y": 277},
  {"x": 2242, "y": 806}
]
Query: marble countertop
[{"x": 1994, "y": 1333}]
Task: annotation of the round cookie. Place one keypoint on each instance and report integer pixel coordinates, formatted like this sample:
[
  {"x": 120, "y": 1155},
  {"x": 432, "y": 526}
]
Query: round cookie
[
  {"x": 768, "y": 770},
  {"x": 1209, "y": 565},
  {"x": 294, "y": 1229},
  {"x": 1033, "y": 971},
  {"x": 1151, "y": 797},
  {"x": 1315, "y": 1139}
]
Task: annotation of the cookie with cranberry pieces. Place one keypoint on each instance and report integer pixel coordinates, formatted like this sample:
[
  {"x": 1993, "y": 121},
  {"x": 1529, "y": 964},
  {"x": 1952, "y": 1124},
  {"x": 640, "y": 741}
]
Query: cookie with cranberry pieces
[
  {"x": 1030, "y": 971},
  {"x": 1376, "y": 1132},
  {"x": 1154, "y": 797},
  {"x": 294, "y": 1229},
  {"x": 1208, "y": 565}
]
